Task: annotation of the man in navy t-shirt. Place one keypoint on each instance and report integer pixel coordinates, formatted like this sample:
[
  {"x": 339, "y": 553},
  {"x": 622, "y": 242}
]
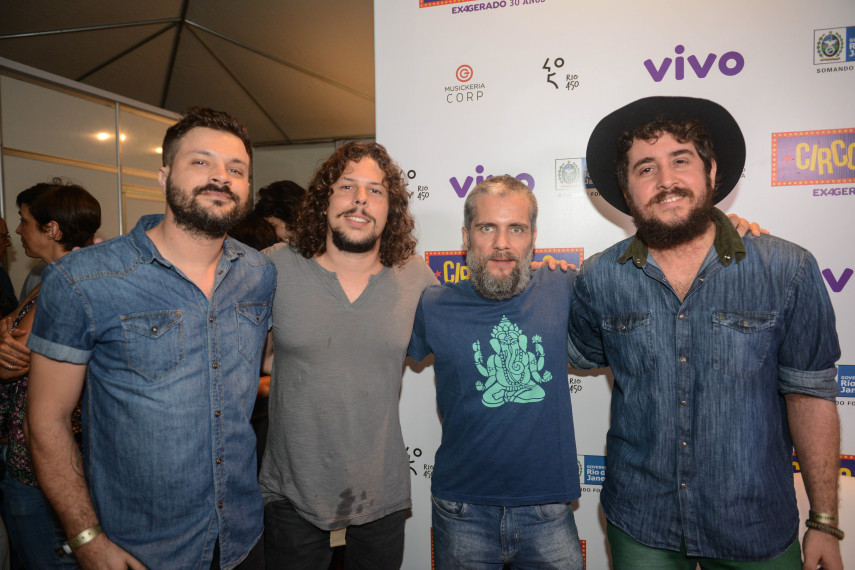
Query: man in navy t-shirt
[{"x": 506, "y": 469}]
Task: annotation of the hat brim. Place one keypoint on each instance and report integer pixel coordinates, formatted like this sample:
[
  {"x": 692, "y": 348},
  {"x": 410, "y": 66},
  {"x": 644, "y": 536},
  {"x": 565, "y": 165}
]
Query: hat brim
[{"x": 728, "y": 142}]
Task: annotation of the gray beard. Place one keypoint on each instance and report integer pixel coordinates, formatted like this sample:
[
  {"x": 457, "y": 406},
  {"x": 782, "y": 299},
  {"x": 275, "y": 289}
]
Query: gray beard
[{"x": 498, "y": 288}]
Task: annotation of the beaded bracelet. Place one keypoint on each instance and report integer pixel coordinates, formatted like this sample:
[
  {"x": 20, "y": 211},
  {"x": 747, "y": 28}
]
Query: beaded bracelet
[{"x": 826, "y": 528}]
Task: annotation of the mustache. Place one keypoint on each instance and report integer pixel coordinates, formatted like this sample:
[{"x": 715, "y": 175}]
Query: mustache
[
  {"x": 214, "y": 188},
  {"x": 362, "y": 214},
  {"x": 506, "y": 256},
  {"x": 666, "y": 194}
]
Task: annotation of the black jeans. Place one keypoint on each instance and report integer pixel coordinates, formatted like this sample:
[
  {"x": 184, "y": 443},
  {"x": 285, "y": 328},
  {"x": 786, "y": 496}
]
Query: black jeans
[{"x": 291, "y": 543}]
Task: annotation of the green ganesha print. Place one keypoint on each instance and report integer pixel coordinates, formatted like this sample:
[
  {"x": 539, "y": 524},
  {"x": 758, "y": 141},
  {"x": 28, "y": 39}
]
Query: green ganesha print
[{"x": 512, "y": 373}]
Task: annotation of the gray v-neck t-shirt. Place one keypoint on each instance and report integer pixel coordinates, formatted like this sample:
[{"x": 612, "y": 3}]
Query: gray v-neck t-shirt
[{"x": 334, "y": 446}]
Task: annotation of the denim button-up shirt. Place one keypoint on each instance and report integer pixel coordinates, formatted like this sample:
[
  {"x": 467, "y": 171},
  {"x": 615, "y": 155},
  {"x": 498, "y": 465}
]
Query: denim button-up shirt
[
  {"x": 699, "y": 446},
  {"x": 172, "y": 376}
]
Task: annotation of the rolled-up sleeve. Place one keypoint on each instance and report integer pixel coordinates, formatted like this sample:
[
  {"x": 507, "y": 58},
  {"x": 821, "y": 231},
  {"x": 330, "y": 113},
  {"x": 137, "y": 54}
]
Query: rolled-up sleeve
[
  {"x": 806, "y": 360},
  {"x": 63, "y": 327}
]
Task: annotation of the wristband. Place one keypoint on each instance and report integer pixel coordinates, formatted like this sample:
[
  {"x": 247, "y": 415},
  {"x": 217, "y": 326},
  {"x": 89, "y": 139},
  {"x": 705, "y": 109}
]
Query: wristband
[
  {"x": 826, "y": 528},
  {"x": 77, "y": 541},
  {"x": 824, "y": 518}
]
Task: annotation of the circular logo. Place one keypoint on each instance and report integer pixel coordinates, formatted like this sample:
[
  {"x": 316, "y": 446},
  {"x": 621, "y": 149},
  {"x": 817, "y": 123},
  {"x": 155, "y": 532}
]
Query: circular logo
[
  {"x": 568, "y": 173},
  {"x": 464, "y": 73},
  {"x": 829, "y": 45}
]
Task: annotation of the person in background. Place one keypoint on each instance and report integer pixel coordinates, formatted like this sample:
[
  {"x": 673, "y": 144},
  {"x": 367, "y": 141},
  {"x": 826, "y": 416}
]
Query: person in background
[
  {"x": 278, "y": 203},
  {"x": 162, "y": 330},
  {"x": 56, "y": 217},
  {"x": 8, "y": 300},
  {"x": 257, "y": 233}
]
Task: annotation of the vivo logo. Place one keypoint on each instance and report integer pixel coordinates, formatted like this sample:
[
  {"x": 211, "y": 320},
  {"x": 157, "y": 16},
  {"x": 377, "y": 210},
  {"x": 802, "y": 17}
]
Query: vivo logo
[
  {"x": 463, "y": 189},
  {"x": 729, "y": 64},
  {"x": 836, "y": 284}
]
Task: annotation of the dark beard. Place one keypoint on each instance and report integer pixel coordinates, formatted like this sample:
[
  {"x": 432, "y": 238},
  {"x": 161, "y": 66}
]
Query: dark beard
[
  {"x": 662, "y": 235},
  {"x": 192, "y": 217},
  {"x": 344, "y": 243},
  {"x": 498, "y": 287}
]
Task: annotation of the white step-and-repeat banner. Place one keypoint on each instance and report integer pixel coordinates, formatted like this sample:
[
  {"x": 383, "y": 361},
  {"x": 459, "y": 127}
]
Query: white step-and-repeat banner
[{"x": 470, "y": 88}]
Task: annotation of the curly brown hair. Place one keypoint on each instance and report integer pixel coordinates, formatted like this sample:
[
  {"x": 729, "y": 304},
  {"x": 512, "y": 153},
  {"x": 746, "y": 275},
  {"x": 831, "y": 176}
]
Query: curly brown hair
[
  {"x": 684, "y": 131},
  {"x": 397, "y": 242}
]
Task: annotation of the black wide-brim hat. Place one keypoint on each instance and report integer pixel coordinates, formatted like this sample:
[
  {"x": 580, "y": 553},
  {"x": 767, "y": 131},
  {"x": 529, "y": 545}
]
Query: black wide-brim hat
[{"x": 728, "y": 142}]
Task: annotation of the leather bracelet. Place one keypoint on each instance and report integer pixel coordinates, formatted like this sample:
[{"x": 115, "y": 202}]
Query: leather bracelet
[
  {"x": 826, "y": 528},
  {"x": 79, "y": 540},
  {"x": 824, "y": 518}
]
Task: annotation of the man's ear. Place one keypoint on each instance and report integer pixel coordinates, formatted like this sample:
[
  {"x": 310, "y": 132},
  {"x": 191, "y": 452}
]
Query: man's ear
[
  {"x": 464, "y": 235},
  {"x": 162, "y": 176},
  {"x": 713, "y": 169}
]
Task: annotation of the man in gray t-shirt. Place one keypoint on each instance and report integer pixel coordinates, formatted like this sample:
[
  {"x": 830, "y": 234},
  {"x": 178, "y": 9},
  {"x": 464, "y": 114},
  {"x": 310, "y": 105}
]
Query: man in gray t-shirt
[{"x": 335, "y": 466}]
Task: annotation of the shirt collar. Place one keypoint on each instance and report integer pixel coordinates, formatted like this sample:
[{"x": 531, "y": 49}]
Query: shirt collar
[
  {"x": 232, "y": 249},
  {"x": 728, "y": 245}
]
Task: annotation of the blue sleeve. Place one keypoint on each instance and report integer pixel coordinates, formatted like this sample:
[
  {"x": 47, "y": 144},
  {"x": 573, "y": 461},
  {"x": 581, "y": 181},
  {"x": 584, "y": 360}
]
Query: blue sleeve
[
  {"x": 807, "y": 357},
  {"x": 63, "y": 327},
  {"x": 584, "y": 337},
  {"x": 419, "y": 348}
]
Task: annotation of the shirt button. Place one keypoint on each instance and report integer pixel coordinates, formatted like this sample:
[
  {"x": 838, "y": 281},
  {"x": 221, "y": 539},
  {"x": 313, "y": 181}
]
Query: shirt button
[
  {"x": 682, "y": 485},
  {"x": 217, "y": 413},
  {"x": 682, "y": 359},
  {"x": 215, "y": 366},
  {"x": 220, "y": 504},
  {"x": 682, "y": 444},
  {"x": 210, "y": 319},
  {"x": 744, "y": 323},
  {"x": 683, "y": 317},
  {"x": 683, "y": 402},
  {"x": 154, "y": 329},
  {"x": 220, "y": 272},
  {"x": 700, "y": 279},
  {"x": 219, "y": 460}
]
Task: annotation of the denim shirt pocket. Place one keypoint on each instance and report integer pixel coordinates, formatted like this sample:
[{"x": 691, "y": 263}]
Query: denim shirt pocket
[
  {"x": 630, "y": 336},
  {"x": 154, "y": 342},
  {"x": 741, "y": 341},
  {"x": 250, "y": 317}
]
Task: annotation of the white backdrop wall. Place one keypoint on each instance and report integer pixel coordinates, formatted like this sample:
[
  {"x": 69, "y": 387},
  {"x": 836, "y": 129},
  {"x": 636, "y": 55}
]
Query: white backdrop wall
[{"x": 470, "y": 88}]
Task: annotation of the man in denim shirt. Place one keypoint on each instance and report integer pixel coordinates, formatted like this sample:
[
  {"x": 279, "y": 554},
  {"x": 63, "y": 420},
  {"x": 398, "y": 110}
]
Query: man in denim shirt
[
  {"x": 162, "y": 330},
  {"x": 723, "y": 352}
]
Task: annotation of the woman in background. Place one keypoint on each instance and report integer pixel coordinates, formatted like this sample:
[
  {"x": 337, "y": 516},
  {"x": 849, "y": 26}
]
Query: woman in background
[{"x": 56, "y": 218}]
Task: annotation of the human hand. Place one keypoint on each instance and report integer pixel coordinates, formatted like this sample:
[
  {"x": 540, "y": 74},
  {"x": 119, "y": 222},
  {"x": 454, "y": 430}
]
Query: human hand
[
  {"x": 743, "y": 226},
  {"x": 821, "y": 550},
  {"x": 14, "y": 354},
  {"x": 552, "y": 264},
  {"x": 101, "y": 553}
]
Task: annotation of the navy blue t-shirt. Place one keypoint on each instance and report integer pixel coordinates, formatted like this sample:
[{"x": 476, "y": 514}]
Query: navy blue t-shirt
[{"x": 502, "y": 392}]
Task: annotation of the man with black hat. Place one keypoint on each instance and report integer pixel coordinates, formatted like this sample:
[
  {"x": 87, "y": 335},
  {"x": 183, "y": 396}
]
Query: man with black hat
[{"x": 722, "y": 350}]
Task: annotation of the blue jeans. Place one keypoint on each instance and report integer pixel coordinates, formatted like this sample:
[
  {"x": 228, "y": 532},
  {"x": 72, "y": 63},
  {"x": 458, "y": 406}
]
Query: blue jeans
[
  {"x": 536, "y": 537},
  {"x": 34, "y": 529}
]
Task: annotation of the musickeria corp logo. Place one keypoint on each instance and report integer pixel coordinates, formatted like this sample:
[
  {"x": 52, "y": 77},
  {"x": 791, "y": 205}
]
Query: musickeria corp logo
[{"x": 465, "y": 88}]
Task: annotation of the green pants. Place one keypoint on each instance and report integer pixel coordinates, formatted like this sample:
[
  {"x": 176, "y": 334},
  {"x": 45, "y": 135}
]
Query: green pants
[{"x": 629, "y": 554}]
